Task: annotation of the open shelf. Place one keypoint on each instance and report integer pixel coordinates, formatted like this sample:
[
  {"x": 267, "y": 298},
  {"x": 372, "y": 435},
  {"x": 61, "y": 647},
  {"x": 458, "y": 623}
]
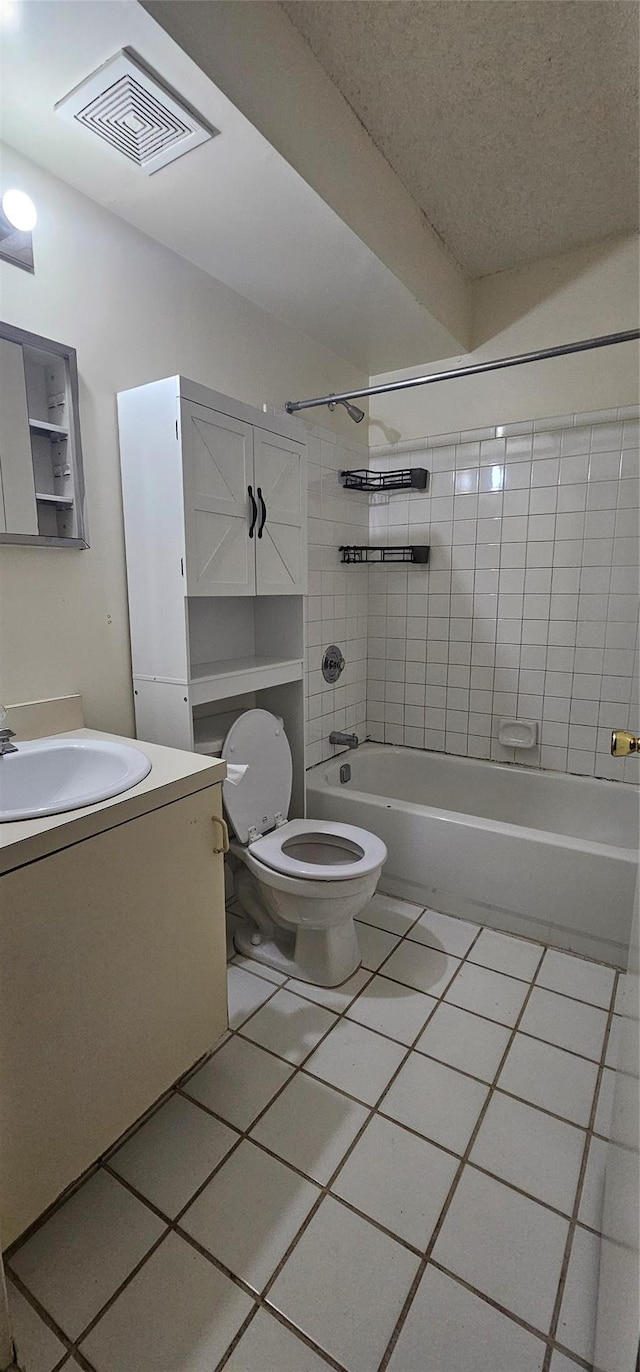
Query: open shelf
[
  {"x": 412, "y": 552},
  {"x": 63, "y": 502},
  {"x": 234, "y": 676},
  {"x": 408, "y": 479},
  {"x": 41, "y": 426}
]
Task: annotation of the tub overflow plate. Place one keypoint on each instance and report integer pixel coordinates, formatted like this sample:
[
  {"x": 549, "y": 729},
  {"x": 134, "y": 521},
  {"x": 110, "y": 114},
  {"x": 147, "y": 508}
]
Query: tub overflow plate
[{"x": 332, "y": 663}]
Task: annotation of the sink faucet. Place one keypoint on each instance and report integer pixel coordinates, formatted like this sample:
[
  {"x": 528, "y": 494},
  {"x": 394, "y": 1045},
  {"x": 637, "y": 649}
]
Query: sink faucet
[
  {"x": 6, "y": 746},
  {"x": 340, "y": 740}
]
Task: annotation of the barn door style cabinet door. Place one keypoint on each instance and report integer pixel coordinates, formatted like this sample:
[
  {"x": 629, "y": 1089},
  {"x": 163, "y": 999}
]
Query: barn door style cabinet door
[{"x": 214, "y": 496}]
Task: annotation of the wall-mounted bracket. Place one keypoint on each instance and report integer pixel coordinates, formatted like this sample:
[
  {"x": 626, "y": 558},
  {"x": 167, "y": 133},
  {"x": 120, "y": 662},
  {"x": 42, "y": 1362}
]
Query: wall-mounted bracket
[
  {"x": 408, "y": 479},
  {"x": 413, "y": 552}
]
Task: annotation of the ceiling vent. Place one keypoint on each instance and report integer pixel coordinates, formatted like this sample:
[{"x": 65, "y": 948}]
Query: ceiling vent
[{"x": 125, "y": 104}]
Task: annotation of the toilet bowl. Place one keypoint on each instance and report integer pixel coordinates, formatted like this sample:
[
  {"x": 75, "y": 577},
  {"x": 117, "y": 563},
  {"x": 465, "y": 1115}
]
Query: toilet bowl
[{"x": 300, "y": 883}]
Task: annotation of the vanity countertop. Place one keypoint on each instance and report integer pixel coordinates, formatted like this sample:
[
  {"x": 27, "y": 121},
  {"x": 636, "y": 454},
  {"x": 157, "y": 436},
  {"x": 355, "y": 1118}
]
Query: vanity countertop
[{"x": 173, "y": 774}]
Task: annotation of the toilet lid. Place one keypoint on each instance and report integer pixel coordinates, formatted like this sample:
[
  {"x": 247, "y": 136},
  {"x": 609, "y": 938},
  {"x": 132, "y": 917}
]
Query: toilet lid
[{"x": 257, "y": 741}]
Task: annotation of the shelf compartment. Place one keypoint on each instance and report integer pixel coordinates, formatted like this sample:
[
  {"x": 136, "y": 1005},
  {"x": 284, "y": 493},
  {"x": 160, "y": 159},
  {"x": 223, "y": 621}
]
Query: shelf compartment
[
  {"x": 407, "y": 479},
  {"x": 41, "y": 426},
  {"x": 211, "y": 681},
  {"x": 411, "y": 552},
  {"x": 64, "y": 502}
]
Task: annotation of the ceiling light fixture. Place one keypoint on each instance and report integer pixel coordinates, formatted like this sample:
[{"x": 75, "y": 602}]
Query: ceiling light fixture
[{"x": 19, "y": 209}]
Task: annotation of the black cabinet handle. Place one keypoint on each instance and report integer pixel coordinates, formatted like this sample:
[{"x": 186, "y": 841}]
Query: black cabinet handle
[
  {"x": 254, "y": 511},
  {"x": 264, "y": 512}
]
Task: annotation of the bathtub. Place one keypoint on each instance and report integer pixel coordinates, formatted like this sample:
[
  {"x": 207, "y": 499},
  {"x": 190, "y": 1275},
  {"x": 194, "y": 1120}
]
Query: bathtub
[{"x": 542, "y": 854}]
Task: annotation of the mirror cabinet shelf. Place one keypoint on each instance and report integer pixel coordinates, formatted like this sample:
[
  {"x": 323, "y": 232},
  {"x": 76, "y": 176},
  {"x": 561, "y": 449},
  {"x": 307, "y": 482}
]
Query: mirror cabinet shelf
[{"x": 41, "y": 480}]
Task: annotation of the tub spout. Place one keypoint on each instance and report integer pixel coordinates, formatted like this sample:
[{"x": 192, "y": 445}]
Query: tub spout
[{"x": 340, "y": 740}]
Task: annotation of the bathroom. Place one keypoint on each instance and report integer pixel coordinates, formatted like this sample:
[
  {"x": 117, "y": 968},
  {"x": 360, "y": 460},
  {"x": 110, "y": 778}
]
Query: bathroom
[{"x": 409, "y": 1137}]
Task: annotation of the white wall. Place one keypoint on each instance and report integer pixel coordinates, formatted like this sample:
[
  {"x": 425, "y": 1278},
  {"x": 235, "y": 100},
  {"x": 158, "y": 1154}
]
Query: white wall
[
  {"x": 135, "y": 312},
  {"x": 581, "y": 294}
]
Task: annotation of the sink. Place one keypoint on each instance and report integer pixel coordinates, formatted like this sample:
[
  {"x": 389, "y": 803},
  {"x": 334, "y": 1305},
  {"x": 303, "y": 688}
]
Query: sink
[{"x": 50, "y": 775}]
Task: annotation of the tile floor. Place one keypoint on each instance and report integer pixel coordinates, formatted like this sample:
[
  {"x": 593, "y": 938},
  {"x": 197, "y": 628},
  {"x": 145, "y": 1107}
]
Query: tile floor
[{"x": 403, "y": 1172}]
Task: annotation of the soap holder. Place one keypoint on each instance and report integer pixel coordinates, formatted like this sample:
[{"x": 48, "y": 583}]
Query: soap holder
[{"x": 518, "y": 733}]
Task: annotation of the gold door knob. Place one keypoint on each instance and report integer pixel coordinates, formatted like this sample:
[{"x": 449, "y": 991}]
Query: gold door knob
[{"x": 623, "y": 743}]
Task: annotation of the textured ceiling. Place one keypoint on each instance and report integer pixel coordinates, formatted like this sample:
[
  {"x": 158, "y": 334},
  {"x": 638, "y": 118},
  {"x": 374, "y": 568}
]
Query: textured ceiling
[{"x": 512, "y": 123}]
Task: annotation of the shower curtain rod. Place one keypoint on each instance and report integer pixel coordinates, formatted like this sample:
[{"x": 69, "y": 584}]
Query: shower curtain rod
[{"x": 604, "y": 341}]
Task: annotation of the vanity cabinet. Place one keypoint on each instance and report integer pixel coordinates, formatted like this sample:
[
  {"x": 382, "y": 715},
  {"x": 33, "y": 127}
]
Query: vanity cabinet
[
  {"x": 214, "y": 499},
  {"x": 112, "y": 972}
]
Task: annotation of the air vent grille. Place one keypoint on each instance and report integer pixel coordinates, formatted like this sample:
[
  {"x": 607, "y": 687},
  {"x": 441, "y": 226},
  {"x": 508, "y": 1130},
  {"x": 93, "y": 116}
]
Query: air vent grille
[{"x": 128, "y": 108}]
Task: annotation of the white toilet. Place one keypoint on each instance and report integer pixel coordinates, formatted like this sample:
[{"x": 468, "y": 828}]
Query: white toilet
[{"x": 300, "y": 882}]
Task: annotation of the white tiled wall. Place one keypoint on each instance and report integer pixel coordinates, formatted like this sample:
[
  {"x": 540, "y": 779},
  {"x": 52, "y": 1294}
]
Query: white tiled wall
[
  {"x": 336, "y": 606},
  {"x": 529, "y": 607}
]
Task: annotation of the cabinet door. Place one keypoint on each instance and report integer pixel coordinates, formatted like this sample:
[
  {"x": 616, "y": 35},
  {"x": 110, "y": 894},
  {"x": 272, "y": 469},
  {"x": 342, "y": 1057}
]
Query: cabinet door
[
  {"x": 281, "y": 547},
  {"x": 18, "y": 504},
  {"x": 218, "y": 471}
]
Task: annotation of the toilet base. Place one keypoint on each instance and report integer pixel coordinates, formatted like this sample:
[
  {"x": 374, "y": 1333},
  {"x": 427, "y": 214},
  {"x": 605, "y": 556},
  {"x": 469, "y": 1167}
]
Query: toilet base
[{"x": 323, "y": 957}]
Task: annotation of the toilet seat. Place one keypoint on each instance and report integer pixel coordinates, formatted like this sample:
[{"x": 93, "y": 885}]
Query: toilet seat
[{"x": 343, "y": 851}]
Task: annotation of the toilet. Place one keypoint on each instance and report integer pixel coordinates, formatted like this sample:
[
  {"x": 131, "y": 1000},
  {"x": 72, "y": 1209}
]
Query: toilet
[{"x": 299, "y": 882}]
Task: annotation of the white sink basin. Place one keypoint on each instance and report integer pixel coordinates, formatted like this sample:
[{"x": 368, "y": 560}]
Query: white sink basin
[{"x": 50, "y": 775}]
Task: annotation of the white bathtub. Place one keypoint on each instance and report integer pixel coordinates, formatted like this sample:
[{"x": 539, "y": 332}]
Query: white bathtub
[{"x": 545, "y": 855}]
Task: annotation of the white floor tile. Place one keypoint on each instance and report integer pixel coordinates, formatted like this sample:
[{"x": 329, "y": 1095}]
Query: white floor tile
[
  {"x": 488, "y": 993},
  {"x": 462, "y": 1040},
  {"x": 356, "y": 1060},
  {"x": 613, "y": 1042},
  {"x": 532, "y": 1150},
  {"x": 311, "y": 1126},
  {"x": 375, "y": 945},
  {"x": 385, "y": 912},
  {"x": 604, "y": 1112},
  {"x": 577, "y": 1323},
  {"x": 170, "y": 1156},
  {"x": 79, "y": 1257},
  {"x": 238, "y": 1081},
  {"x": 267, "y": 1346},
  {"x": 289, "y": 1026},
  {"x": 246, "y": 993},
  {"x": 550, "y": 1078},
  {"x": 505, "y": 1245},
  {"x": 561, "y": 1364},
  {"x": 249, "y": 1213},
  {"x": 343, "y": 1265},
  {"x": 592, "y": 1199},
  {"x": 590, "y": 981},
  {"x": 441, "y": 931},
  {"x": 504, "y": 953},
  {"x": 435, "y": 1101},
  {"x": 620, "y": 997},
  {"x": 392, "y": 1009},
  {"x": 258, "y": 969},
  {"x": 37, "y": 1347},
  {"x": 449, "y": 1329},
  {"x": 178, "y": 1312},
  {"x": 567, "y": 1023},
  {"x": 424, "y": 968},
  {"x": 332, "y": 997},
  {"x": 397, "y": 1179}
]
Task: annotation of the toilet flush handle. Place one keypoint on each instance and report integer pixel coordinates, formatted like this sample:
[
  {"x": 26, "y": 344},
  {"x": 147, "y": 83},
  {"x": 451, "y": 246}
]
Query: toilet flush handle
[{"x": 224, "y": 834}]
